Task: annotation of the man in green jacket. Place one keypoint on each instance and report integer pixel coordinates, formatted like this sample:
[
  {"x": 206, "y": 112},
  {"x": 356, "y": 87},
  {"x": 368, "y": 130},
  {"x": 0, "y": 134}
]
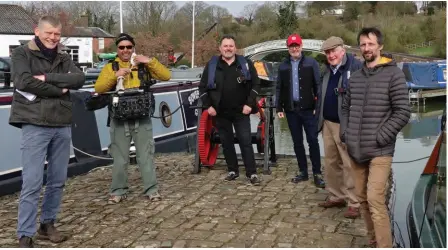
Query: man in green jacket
[{"x": 43, "y": 76}]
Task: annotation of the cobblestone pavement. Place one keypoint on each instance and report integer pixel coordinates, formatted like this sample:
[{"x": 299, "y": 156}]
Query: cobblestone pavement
[{"x": 196, "y": 211}]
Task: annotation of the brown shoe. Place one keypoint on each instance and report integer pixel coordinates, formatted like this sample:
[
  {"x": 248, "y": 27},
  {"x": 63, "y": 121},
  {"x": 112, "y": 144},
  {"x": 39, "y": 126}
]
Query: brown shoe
[
  {"x": 26, "y": 242},
  {"x": 49, "y": 232},
  {"x": 352, "y": 213},
  {"x": 329, "y": 203}
]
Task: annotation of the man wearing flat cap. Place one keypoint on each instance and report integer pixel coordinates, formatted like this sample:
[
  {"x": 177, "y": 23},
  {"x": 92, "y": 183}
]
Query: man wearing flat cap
[
  {"x": 338, "y": 171},
  {"x": 140, "y": 130}
]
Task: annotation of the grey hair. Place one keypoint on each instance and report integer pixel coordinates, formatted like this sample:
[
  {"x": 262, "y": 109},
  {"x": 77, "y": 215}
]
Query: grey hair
[{"x": 50, "y": 20}]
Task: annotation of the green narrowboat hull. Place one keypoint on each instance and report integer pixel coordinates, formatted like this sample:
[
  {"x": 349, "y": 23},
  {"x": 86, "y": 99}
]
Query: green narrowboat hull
[{"x": 426, "y": 215}]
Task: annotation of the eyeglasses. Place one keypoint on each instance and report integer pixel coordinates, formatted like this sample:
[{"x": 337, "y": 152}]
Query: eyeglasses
[
  {"x": 294, "y": 46},
  {"x": 127, "y": 47}
]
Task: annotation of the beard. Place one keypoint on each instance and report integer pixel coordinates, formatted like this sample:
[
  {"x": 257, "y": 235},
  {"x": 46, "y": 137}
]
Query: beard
[
  {"x": 228, "y": 55},
  {"x": 369, "y": 57}
]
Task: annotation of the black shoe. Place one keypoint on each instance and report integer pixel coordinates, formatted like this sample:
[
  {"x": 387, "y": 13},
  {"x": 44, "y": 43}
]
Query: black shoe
[
  {"x": 299, "y": 178},
  {"x": 319, "y": 181},
  {"x": 26, "y": 242},
  {"x": 231, "y": 176},
  {"x": 49, "y": 232},
  {"x": 254, "y": 180}
]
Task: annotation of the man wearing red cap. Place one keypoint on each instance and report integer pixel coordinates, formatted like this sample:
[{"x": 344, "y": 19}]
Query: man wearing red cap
[{"x": 298, "y": 89}]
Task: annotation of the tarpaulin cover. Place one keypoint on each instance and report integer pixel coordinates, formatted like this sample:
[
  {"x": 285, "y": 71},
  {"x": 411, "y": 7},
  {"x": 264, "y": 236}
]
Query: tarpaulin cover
[{"x": 424, "y": 74}]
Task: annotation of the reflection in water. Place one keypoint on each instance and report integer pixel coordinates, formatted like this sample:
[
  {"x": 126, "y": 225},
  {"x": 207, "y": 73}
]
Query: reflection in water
[
  {"x": 415, "y": 141},
  {"x": 419, "y": 138}
]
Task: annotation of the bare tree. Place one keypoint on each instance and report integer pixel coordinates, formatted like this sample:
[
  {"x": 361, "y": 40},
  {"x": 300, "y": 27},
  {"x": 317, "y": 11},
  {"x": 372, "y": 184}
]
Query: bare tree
[
  {"x": 104, "y": 15},
  {"x": 39, "y": 9},
  {"x": 187, "y": 9},
  {"x": 148, "y": 15},
  {"x": 212, "y": 14},
  {"x": 265, "y": 17},
  {"x": 249, "y": 12}
]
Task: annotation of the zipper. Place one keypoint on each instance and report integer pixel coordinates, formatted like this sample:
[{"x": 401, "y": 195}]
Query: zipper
[{"x": 367, "y": 86}]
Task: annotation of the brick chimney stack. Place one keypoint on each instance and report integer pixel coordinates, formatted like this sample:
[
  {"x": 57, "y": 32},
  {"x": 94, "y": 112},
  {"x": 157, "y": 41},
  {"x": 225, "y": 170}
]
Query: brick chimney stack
[{"x": 83, "y": 21}]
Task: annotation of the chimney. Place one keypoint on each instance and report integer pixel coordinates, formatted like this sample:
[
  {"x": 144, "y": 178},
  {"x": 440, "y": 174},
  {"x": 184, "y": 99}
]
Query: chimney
[{"x": 83, "y": 21}]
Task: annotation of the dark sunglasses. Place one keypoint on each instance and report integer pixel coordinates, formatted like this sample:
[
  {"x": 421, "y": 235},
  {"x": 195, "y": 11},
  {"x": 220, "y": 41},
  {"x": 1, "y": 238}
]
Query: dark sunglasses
[{"x": 127, "y": 47}]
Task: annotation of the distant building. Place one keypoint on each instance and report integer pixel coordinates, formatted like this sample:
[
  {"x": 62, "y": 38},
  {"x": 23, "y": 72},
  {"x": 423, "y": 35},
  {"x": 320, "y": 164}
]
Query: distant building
[
  {"x": 17, "y": 28},
  {"x": 301, "y": 10},
  {"x": 333, "y": 11}
]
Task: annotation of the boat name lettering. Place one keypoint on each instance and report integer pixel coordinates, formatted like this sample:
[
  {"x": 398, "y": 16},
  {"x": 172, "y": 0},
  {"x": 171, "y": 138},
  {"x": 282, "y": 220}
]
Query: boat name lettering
[{"x": 193, "y": 96}]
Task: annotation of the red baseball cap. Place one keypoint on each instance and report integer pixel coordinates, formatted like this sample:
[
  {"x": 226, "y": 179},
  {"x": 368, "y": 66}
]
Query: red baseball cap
[{"x": 294, "y": 38}]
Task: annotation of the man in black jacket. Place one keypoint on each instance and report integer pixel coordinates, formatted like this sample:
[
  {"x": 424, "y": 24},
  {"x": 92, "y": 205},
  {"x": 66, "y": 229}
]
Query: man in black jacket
[
  {"x": 374, "y": 110},
  {"x": 43, "y": 75},
  {"x": 230, "y": 97},
  {"x": 298, "y": 90}
]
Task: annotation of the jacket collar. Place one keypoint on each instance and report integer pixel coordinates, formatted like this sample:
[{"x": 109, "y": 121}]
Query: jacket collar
[
  {"x": 33, "y": 46},
  {"x": 221, "y": 62},
  {"x": 385, "y": 61}
]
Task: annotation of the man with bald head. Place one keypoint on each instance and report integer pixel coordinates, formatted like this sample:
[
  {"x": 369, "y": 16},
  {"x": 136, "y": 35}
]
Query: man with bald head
[
  {"x": 338, "y": 172},
  {"x": 228, "y": 89},
  {"x": 43, "y": 77}
]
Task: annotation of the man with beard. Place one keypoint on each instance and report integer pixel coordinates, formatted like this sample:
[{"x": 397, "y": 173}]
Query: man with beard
[
  {"x": 43, "y": 75},
  {"x": 140, "y": 130},
  {"x": 230, "y": 97},
  {"x": 338, "y": 172},
  {"x": 298, "y": 88},
  {"x": 374, "y": 110}
]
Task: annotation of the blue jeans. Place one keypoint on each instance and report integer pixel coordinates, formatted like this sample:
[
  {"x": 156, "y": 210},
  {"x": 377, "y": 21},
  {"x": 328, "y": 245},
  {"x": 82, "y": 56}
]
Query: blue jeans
[
  {"x": 297, "y": 122},
  {"x": 40, "y": 144}
]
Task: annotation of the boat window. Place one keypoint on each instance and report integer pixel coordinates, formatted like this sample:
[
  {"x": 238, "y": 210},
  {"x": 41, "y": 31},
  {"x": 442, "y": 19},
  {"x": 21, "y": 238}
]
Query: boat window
[{"x": 165, "y": 113}]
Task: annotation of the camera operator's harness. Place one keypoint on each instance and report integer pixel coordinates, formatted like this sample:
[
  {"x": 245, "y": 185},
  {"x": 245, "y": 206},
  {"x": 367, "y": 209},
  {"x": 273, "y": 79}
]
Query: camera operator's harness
[
  {"x": 134, "y": 103},
  {"x": 130, "y": 104},
  {"x": 127, "y": 104}
]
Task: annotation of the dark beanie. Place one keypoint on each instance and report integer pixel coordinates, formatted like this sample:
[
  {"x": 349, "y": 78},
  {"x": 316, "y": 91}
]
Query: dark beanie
[{"x": 123, "y": 37}]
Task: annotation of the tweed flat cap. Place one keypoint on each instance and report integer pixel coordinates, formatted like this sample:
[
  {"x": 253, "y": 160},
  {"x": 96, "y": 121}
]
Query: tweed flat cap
[{"x": 332, "y": 42}]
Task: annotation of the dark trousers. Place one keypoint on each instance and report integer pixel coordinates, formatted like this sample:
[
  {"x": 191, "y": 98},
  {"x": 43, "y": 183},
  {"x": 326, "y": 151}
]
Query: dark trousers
[
  {"x": 297, "y": 121},
  {"x": 243, "y": 133}
]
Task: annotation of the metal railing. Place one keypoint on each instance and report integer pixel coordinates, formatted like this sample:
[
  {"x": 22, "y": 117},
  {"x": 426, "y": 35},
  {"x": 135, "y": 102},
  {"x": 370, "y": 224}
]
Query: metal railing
[{"x": 419, "y": 45}]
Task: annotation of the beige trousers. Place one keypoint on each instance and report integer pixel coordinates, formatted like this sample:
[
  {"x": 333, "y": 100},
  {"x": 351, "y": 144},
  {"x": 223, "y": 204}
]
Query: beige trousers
[
  {"x": 338, "y": 171},
  {"x": 371, "y": 184}
]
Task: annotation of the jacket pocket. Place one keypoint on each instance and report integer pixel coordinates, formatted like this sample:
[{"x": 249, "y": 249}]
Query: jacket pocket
[
  {"x": 25, "y": 109},
  {"x": 57, "y": 112},
  {"x": 380, "y": 138},
  {"x": 67, "y": 104}
]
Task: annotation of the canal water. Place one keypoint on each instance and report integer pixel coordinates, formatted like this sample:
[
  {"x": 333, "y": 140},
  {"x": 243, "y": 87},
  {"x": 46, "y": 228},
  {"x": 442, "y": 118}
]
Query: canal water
[{"x": 416, "y": 140}]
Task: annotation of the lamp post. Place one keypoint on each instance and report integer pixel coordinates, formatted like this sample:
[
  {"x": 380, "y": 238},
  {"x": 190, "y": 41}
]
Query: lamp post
[
  {"x": 192, "y": 42},
  {"x": 121, "y": 17}
]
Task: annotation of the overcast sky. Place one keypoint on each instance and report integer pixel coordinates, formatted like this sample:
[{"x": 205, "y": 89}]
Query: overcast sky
[{"x": 234, "y": 7}]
